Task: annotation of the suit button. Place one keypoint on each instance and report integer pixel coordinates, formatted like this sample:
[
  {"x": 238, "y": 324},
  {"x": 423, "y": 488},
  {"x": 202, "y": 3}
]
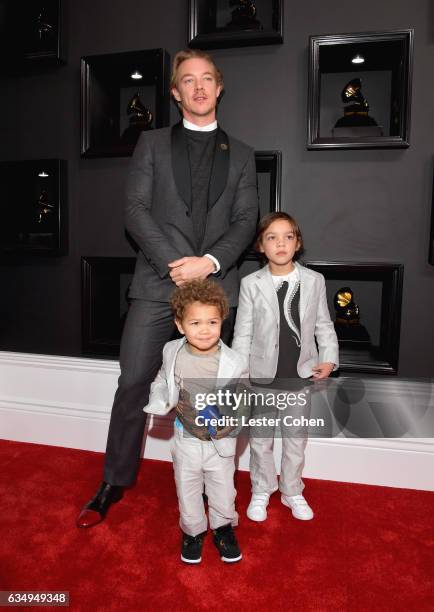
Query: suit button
[
  {"x": 275, "y": 346},
  {"x": 187, "y": 213}
]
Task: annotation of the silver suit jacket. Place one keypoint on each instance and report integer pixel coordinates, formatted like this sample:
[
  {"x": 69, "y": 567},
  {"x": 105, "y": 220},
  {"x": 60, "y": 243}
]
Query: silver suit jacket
[
  {"x": 164, "y": 392},
  {"x": 256, "y": 334}
]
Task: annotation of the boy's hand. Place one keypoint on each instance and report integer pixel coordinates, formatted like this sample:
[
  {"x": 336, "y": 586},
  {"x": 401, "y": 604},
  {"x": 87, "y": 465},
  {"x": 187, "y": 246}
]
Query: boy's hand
[
  {"x": 322, "y": 370},
  {"x": 190, "y": 268}
]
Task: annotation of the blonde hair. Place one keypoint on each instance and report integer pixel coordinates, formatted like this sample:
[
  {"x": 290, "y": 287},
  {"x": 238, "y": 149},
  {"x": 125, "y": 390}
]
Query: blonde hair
[{"x": 187, "y": 54}]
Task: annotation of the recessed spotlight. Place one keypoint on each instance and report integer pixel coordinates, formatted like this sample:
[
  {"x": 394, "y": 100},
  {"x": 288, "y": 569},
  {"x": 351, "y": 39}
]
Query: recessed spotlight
[
  {"x": 43, "y": 174},
  {"x": 358, "y": 59},
  {"x": 137, "y": 75}
]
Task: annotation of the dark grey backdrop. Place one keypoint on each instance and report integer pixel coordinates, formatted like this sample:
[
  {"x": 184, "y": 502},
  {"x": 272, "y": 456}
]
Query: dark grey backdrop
[{"x": 352, "y": 205}]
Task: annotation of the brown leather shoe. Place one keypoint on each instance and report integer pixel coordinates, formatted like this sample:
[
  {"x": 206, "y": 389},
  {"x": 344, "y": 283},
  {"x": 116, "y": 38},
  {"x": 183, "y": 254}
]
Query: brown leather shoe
[{"x": 96, "y": 509}]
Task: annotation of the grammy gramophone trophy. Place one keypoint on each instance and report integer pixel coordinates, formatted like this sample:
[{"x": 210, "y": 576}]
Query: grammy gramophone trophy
[
  {"x": 44, "y": 208},
  {"x": 356, "y": 121},
  {"x": 140, "y": 120},
  {"x": 350, "y": 332},
  {"x": 43, "y": 29},
  {"x": 244, "y": 16},
  {"x": 39, "y": 30},
  {"x": 41, "y": 225}
]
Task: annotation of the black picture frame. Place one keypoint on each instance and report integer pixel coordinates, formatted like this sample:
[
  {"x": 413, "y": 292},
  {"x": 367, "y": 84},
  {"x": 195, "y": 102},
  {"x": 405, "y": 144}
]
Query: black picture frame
[
  {"x": 104, "y": 303},
  {"x": 269, "y": 184},
  {"x": 378, "y": 292},
  {"x": 34, "y": 211},
  {"x": 386, "y": 75},
  {"x": 32, "y": 33},
  {"x": 108, "y": 85},
  {"x": 209, "y": 27}
]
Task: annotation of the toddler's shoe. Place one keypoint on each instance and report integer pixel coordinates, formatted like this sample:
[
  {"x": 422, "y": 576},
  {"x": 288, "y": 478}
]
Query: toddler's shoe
[
  {"x": 192, "y": 548},
  {"x": 299, "y": 507},
  {"x": 257, "y": 510},
  {"x": 226, "y": 543}
]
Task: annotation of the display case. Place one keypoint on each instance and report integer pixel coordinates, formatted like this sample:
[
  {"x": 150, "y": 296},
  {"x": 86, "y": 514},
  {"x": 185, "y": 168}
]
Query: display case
[
  {"x": 122, "y": 95},
  {"x": 34, "y": 207},
  {"x": 364, "y": 301},
  {"x": 235, "y": 23},
  {"x": 31, "y": 33},
  {"x": 105, "y": 283},
  {"x": 360, "y": 90}
]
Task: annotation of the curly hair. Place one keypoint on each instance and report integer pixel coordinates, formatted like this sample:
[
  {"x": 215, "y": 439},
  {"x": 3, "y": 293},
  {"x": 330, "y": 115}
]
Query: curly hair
[{"x": 203, "y": 291}]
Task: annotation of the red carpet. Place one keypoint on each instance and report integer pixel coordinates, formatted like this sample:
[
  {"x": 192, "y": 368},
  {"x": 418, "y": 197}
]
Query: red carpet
[{"x": 368, "y": 548}]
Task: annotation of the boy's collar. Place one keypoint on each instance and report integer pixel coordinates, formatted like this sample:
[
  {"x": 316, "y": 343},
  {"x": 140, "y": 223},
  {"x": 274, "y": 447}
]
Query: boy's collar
[
  {"x": 183, "y": 341},
  {"x": 266, "y": 269}
]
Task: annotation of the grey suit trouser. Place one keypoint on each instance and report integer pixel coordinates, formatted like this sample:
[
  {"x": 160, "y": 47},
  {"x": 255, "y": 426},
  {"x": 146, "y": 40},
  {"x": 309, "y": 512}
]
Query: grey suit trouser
[
  {"x": 263, "y": 473},
  {"x": 149, "y": 325},
  {"x": 197, "y": 464}
]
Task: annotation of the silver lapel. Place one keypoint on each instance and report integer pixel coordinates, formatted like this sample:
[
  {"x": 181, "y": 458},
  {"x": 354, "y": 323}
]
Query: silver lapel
[
  {"x": 306, "y": 284},
  {"x": 226, "y": 364},
  {"x": 170, "y": 361},
  {"x": 266, "y": 286}
]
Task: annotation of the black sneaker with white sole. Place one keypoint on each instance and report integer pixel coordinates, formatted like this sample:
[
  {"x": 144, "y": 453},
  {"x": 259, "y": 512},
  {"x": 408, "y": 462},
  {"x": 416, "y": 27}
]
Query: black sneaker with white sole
[
  {"x": 191, "y": 551},
  {"x": 227, "y": 545}
]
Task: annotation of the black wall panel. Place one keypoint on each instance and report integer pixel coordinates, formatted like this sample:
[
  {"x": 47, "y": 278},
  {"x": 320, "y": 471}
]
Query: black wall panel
[{"x": 368, "y": 205}]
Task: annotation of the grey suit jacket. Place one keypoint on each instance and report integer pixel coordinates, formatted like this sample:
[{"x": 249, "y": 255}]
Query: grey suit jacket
[
  {"x": 256, "y": 334},
  {"x": 164, "y": 392},
  {"x": 158, "y": 206}
]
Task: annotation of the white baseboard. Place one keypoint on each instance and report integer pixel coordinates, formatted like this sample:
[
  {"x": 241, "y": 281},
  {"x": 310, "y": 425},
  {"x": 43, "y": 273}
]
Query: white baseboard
[{"x": 65, "y": 401}]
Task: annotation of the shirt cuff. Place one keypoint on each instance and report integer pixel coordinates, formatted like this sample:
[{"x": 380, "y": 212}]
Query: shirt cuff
[{"x": 215, "y": 262}]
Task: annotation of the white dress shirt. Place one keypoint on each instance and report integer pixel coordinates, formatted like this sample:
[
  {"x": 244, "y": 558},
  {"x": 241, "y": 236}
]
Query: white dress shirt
[{"x": 291, "y": 278}]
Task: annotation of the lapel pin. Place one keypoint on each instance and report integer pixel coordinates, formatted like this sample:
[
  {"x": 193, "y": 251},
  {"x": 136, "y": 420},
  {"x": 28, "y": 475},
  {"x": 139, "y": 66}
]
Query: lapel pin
[{"x": 224, "y": 147}]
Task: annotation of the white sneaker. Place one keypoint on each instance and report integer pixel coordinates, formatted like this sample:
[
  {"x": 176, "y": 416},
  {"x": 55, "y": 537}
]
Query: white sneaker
[
  {"x": 257, "y": 510},
  {"x": 299, "y": 507}
]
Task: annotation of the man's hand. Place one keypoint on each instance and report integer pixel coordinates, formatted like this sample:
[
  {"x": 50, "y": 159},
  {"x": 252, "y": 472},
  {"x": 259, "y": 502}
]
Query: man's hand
[
  {"x": 322, "y": 370},
  {"x": 190, "y": 268}
]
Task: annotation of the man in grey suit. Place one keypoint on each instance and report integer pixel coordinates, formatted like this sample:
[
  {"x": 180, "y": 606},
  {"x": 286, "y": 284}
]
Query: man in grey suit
[{"x": 192, "y": 210}]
